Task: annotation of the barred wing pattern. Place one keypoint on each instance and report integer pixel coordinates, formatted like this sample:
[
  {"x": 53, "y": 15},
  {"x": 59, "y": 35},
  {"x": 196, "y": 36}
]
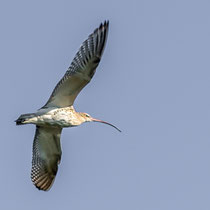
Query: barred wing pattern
[
  {"x": 46, "y": 156},
  {"x": 81, "y": 69}
]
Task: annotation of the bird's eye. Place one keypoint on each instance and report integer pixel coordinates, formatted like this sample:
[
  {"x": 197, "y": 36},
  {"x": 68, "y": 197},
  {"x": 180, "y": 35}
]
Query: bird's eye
[{"x": 86, "y": 115}]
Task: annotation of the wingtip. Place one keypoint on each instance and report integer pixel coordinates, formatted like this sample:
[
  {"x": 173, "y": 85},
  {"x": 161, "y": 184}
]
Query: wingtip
[
  {"x": 43, "y": 185},
  {"x": 103, "y": 25},
  {"x": 42, "y": 189},
  {"x": 106, "y": 23}
]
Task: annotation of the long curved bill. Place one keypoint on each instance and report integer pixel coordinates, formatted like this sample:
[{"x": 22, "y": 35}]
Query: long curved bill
[{"x": 101, "y": 121}]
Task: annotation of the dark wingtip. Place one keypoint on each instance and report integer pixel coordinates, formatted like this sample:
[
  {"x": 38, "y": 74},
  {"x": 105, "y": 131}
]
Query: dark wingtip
[
  {"x": 42, "y": 189},
  {"x": 105, "y": 24}
]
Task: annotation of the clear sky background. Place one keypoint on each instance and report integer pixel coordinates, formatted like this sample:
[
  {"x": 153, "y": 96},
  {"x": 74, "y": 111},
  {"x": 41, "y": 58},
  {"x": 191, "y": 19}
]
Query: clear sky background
[{"x": 153, "y": 82}]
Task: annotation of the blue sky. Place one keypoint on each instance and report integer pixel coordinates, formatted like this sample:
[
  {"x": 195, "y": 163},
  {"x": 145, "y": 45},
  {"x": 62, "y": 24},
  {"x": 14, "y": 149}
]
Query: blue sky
[{"x": 153, "y": 83}]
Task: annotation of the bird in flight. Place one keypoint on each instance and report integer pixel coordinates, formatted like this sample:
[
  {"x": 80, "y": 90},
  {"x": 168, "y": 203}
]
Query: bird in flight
[{"x": 59, "y": 112}]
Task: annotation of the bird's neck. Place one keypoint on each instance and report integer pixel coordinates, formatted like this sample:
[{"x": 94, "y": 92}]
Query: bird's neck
[{"x": 75, "y": 117}]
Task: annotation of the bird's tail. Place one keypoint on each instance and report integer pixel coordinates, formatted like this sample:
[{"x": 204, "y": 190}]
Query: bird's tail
[{"x": 23, "y": 119}]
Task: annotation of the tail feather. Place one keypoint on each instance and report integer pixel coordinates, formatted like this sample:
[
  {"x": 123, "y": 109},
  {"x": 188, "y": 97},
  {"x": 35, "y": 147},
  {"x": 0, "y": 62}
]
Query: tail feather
[
  {"x": 19, "y": 121},
  {"x": 23, "y": 118}
]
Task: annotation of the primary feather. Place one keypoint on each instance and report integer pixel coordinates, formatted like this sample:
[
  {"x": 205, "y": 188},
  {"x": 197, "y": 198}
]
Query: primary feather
[
  {"x": 81, "y": 69},
  {"x": 46, "y": 156}
]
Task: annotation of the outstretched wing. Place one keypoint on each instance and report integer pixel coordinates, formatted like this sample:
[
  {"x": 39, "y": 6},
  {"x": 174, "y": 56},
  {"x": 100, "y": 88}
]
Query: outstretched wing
[
  {"x": 46, "y": 156},
  {"x": 81, "y": 69}
]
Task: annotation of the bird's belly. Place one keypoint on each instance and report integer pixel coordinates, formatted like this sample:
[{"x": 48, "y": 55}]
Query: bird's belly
[{"x": 52, "y": 119}]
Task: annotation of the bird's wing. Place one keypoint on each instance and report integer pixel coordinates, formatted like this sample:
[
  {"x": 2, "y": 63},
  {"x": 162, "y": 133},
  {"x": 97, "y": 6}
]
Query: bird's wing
[
  {"x": 81, "y": 69},
  {"x": 46, "y": 156}
]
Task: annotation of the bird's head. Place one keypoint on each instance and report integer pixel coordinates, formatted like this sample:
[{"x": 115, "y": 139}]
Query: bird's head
[{"x": 87, "y": 118}]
